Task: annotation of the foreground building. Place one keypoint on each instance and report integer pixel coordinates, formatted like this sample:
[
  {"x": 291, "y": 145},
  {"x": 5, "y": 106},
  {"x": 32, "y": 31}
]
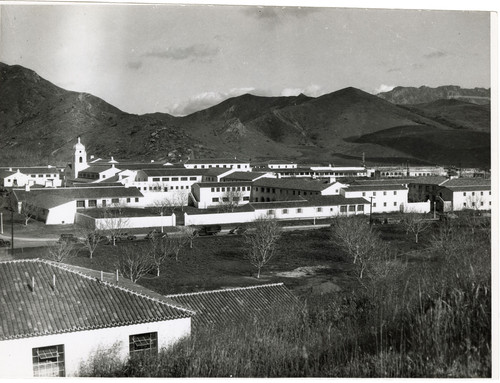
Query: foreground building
[{"x": 54, "y": 318}]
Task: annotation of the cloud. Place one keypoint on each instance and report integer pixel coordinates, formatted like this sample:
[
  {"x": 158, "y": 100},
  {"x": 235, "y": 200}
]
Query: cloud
[
  {"x": 134, "y": 64},
  {"x": 205, "y": 100},
  {"x": 384, "y": 88},
  {"x": 194, "y": 52},
  {"x": 435, "y": 55},
  {"x": 312, "y": 90}
]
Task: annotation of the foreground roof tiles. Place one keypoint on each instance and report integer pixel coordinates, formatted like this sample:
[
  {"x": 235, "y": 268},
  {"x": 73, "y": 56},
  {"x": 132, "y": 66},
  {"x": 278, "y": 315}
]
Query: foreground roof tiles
[
  {"x": 235, "y": 305},
  {"x": 77, "y": 302}
]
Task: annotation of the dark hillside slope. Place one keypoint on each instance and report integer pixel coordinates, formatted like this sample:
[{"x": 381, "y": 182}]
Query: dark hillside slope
[
  {"x": 403, "y": 95},
  {"x": 456, "y": 113}
]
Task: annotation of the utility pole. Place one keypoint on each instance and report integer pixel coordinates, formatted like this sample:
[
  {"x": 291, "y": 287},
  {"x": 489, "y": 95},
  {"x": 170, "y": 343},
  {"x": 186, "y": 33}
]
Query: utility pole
[
  {"x": 371, "y": 198},
  {"x": 1, "y": 223}
]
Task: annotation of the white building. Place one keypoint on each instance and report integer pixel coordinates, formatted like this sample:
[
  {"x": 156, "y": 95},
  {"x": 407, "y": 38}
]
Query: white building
[
  {"x": 464, "y": 193},
  {"x": 229, "y": 163},
  {"x": 280, "y": 189},
  {"x": 384, "y": 198},
  {"x": 59, "y": 206},
  {"x": 281, "y": 164},
  {"x": 217, "y": 194},
  {"x": 53, "y": 319},
  {"x": 48, "y": 176}
]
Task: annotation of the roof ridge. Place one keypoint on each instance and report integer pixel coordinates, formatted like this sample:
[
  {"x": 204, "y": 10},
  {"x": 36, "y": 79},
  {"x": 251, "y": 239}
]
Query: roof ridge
[
  {"x": 68, "y": 268},
  {"x": 223, "y": 290}
]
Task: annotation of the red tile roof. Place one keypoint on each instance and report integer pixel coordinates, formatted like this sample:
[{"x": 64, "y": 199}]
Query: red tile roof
[
  {"x": 78, "y": 302},
  {"x": 234, "y": 305}
]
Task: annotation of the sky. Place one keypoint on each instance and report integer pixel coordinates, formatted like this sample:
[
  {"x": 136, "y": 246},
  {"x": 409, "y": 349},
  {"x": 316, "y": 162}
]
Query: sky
[{"x": 179, "y": 59}]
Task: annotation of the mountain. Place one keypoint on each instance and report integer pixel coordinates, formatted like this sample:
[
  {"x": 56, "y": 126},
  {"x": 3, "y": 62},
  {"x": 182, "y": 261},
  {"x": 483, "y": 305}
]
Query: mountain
[
  {"x": 39, "y": 123},
  {"x": 410, "y": 95}
]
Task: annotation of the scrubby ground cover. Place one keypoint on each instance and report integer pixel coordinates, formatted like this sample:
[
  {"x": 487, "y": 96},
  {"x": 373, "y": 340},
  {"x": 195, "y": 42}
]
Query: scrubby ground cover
[{"x": 421, "y": 310}]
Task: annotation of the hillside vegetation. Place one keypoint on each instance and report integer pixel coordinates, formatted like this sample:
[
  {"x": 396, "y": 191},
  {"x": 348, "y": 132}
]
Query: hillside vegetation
[{"x": 40, "y": 123}]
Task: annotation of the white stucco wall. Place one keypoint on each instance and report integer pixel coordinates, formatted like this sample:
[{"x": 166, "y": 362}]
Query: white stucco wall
[
  {"x": 16, "y": 355},
  {"x": 394, "y": 200},
  {"x": 62, "y": 214},
  {"x": 219, "y": 218},
  {"x": 136, "y": 222}
]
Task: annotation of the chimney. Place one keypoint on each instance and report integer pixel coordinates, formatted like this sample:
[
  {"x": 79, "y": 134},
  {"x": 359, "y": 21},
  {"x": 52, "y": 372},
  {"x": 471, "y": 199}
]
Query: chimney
[
  {"x": 91, "y": 156},
  {"x": 32, "y": 283},
  {"x": 54, "y": 281},
  {"x": 27, "y": 187},
  {"x": 10, "y": 169},
  {"x": 152, "y": 160}
]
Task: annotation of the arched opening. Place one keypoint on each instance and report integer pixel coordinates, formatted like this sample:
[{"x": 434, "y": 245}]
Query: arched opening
[{"x": 80, "y": 159}]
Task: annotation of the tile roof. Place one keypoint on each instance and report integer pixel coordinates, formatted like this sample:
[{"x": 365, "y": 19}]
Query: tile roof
[
  {"x": 224, "y": 184},
  {"x": 168, "y": 172},
  {"x": 243, "y": 176},
  {"x": 205, "y": 161},
  {"x": 74, "y": 193},
  {"x": 279, "y": 204},
  {"x": 385, "y": 181},
  {"x": 35, "y": 169},
  {"x": 429, "y": 180},
  {"x": 293, "y": 183},
  {"x": 460, "y": 182},
  {"x": 355, "y": 188},
  {"x": 78, "y": 302},
  {"x": 335, "y": 200},
  {"x": 97, "y": 168},
  {"x": 5, "y": 173},
  {"x": 234, "y": 305}
]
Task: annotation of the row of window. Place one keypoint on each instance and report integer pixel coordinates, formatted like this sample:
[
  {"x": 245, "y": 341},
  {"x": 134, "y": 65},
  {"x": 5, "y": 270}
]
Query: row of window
[
  {"x": 43, "y": 175},
  {"x": 93, "y": 202},
  {"x": 343, "y": 209},
  {"x": 230, "y": 188},
  {"x": 281, "y": 191},
  {"x": 473, "y": 204},
  {"x": 385, "y": 204},
  {"x": 49, "y": 361},
  {"x": 226, "y": 199},
  {"x": 166, "y": 188},
  {"x": 474, "y": 193},
  {"x": 166, "y": 179},
  {"x": 384, "y": 193},
  {"x": 220, "y": 166}
]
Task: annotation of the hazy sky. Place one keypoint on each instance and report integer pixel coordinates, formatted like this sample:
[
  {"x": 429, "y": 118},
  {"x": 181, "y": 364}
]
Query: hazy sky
[{"x": 179, "y": 59}]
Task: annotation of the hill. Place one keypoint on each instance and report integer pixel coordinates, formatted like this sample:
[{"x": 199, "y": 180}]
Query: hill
[
  {"x": 39, "y": 123},
  {"x": 424, "y": 94}
]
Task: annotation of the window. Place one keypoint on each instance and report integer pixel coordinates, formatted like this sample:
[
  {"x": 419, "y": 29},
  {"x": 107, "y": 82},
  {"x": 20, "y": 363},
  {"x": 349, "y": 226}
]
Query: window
[
  {"x": 385, "y": 193},
  {"x": 184, "y": 178},
  {"x": 115, "y": 200},
  {"x": 136, "y": 199},
  {"x": 343, "y": 209},
  {"x": 473, "y": 193},
  {"x": 481, "y": 193},
  {"x": 225, "y": 199},
  {"x": 385, "y": 204},
  {"x": 395, "y": 192},
  {"x": 465, "y": 194},
  {"x": 246, "y": 198},
  {"x": 192, "y": 178},
  {"x": 374, "y": 204},
  {"x": 319, "y": 209},
  {"x": 164, "y": 179},
  {"x": 175, "y": 178},
  {"x": 48, "y": 361},
  {"x": 361, "y": 207},
  {"x": 270, "y": 212},
  {"x": 212, "y": 189},
  {"x": 363, "y": 194},
  {"x": 299, "y": 210},
  {"x": 285, "y": 211},
  {"x": 103, "y": 203},
  {"x": 465, "y": 204},
  {"x": 80, "y": 203},
  {"x": 92, "y": 203},
  {"x": 128, "y": 200},
  {"x": 218, "y": 189},
  {"x": 374, "y": 193},
  {"x": 144, "y": 343},
  {"x": 224, "y": 189},
  {"x": 482, "y": 203},
  {"x": 352, "y": 207},
  {"x": 215, "y": 199},
  {"x": 395, "y": 204},
  {"x": 156, "y": 179}
]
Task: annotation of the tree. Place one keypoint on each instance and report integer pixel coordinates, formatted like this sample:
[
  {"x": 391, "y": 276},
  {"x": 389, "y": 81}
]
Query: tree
[
  {"x": 113, "y": 222},
  {"x": 134, "y": 263},
  {"x": 91, "y": 236},
  {"x": 159, "y": 251},
  {"x": 29, "y": 211},
  {"x": 61, "y": 250},
  {"x": 358, "y": 240},
  {"x": 189, "y": 233},
  {"x": 262, "y": 239},
  {"x": 415, "y": 223},
  {"x": 230, "y": 199}
]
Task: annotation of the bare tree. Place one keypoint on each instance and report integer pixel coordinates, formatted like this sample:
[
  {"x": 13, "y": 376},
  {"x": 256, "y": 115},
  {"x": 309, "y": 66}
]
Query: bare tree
[
  {"x": 134, "y": 263},
  {"x": 358, "y": 240},
  {"x": 189, "y": 233},
  {"x": 176, "y": 199},
  {"x": 61, "y": 251},
  {"x": 262, "y": 240},
  {"x": 113, "y": 222},
  {"x": 160, "y": 251},
  {"x": 415, "y": 223},
  {"x": 29, "y": 211},
  {"x": 91, "y": 236},
  {"x": 230, "y": 199}
]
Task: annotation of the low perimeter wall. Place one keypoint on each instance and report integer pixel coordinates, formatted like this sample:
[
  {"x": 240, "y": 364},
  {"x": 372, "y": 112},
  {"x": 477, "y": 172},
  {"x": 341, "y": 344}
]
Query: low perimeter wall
[
  {"x": 125, "y": 222},
  {"x": 219, "y": 218},
  {"x": 417, "y": 207}
]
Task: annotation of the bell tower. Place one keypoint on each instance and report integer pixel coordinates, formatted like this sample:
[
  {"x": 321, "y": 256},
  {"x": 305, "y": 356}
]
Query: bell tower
[{"x": 79, "y": 158}]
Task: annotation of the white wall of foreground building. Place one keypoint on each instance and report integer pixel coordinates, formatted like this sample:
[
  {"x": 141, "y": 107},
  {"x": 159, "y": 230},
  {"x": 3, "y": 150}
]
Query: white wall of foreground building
[
  {"x": 62, "y": 215},
  {"x": 219, "y": 218},
  {"x": 127, "y": 222},
  {"x": 418, "y": 207},
  {"x": 16, "y": 355}
]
